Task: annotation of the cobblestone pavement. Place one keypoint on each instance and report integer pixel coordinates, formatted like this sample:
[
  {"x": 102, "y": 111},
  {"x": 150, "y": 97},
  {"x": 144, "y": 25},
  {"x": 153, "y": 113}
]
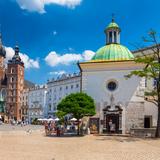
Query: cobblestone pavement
[
  {"x": 9, "y": 127},
  {"x": 22, "y": 145}
]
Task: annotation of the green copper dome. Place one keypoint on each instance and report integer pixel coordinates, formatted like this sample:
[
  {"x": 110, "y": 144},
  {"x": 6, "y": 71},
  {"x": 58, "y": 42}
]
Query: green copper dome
[{"x": 113, "y": 52}]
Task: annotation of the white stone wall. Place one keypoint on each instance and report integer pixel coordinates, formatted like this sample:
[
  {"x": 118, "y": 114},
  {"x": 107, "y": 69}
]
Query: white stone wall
[
  {"x": 94, "y": 84},
  {"x": 134, "y": 116},
  {"x": 151, "y": 110}
]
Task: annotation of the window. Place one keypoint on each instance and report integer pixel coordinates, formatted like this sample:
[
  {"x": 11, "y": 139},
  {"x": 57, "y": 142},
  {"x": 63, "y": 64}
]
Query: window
[
  {"x": 66, "y": 87},
  {"x": 54, "y": 106},
  {"x": 12, "y": 70},
  {"x": 60, "y": 88},
  {"x": 110, "y": 37},
  {"x": 147, "y": 121},
  {"x": 49, "y": 107},
  {"x": 115, "y": 37},
  {"x": 12, "y": 79},
  {"x": 77, "y": 85},
  {"x": 112, "y": 85},
  {"x": 71, "y": 86}
]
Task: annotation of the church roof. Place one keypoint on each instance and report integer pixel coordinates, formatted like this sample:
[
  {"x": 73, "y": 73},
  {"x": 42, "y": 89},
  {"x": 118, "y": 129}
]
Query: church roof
[
  {"x": 16, "y": 59},
  {"x": 113, "y": 52},
  {"x": 112, "y": 25}
]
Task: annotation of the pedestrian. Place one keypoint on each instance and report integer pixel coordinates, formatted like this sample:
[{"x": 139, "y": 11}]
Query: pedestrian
[
  {"x": 58, "y": 131},
  {"x": 46, "y": 127}
]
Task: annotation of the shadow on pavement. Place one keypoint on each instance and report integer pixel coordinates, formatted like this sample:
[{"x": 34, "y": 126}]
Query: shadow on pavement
[{"x": 118, "y": 138}]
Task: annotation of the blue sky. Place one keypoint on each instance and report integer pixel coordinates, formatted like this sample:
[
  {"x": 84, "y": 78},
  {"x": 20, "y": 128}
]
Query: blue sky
[{"x": 53, "y": 35}]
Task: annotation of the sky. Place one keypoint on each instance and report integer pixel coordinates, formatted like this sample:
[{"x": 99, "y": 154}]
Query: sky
[{"x": 53, "y": 35}]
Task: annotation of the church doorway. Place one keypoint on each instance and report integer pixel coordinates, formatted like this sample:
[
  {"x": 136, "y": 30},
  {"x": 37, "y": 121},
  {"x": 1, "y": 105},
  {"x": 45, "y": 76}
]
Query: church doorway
[
  {"x": 112, "y": 119},
  {"x": 112, "y": 123}
]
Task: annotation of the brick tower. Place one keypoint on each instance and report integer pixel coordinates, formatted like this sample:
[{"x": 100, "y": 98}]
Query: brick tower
[
  {"x": 2, "y": 57},
  {"x": 15, "y": 83}
]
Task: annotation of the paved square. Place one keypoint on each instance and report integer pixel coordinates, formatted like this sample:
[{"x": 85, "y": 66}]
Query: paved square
[{"x": 26, "y": 145}]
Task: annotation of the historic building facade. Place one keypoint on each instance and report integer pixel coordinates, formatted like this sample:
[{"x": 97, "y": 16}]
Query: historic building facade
[
  {"x": 24, "y": 104},
  {"x": 37, "y": 102},
  {"x": 58, "y": 88},
  {"x": 11, "y": 84},
  {"x": 120, "y": 102},
  {"x": 15, "y": 84}
]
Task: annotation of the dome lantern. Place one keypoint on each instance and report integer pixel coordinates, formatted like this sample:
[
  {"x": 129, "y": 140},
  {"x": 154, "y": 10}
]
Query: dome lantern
[
  {"x": 112, "y": 32},
  {"x": 113, "y": 50}
]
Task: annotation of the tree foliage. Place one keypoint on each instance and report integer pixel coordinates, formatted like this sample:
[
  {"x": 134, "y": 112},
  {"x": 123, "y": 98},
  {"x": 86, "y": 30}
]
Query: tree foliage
[
  {"x": 77, "y": 104},
  {"x": 151, "y": 70}
]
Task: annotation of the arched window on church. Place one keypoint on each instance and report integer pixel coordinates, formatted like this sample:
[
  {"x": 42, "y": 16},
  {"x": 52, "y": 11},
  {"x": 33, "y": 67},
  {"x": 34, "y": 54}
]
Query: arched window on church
[
  {"x": 12, "y": 70},
  {"x": 115, "y": 37},
  {"x": 110, "y": 37},
  {"x": 12, "y": 79}
]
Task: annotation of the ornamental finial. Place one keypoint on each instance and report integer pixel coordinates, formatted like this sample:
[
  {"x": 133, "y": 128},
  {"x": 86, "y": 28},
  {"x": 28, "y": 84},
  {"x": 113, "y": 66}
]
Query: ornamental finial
[{"x": 113, "y": 17}]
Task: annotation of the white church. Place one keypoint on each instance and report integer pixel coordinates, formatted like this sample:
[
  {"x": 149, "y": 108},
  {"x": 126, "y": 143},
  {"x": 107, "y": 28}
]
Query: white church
[{"x": 120, "y": 102}]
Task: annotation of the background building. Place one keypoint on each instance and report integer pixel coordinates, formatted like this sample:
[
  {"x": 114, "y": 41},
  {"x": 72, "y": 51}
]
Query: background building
[
  {"x": 59, "y": 88},
  {"x": 37, "y": 102},
  {"x": 24, "y": 99}
]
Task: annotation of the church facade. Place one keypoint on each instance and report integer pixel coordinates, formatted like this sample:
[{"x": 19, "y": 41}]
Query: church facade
[{"x": 120, "y": 102}]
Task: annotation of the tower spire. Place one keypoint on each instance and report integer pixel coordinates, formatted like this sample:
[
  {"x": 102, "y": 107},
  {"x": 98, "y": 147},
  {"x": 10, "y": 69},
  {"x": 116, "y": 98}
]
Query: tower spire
[
  {"x": 113, "y": 17},
  {"x": 16, "y": 49}
]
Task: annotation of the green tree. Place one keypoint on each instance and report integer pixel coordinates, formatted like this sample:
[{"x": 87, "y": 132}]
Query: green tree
[
  {"x": 77, "y": 104},
  {"x": 151, "y": 70}
]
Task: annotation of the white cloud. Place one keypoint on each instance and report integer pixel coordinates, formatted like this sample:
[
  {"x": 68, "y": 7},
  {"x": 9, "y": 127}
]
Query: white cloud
[
  {"x": 28, "y": 62},
  {"x": 87, "y": 55},
  {"x": 53, "y": 59},
  {"x": 59, "y": 73},
  {"x": 39, "y": 5}
]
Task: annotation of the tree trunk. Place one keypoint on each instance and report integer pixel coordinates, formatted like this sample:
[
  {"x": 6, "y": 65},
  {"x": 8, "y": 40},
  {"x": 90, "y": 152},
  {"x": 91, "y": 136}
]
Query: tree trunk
[{"x": 158, "y": 123}]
